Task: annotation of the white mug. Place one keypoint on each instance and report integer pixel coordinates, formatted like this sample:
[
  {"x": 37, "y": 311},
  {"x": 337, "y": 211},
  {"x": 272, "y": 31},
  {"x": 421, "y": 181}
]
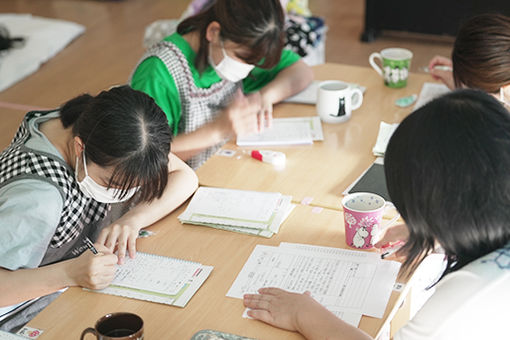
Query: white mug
[{"x": 336, "y": 100}]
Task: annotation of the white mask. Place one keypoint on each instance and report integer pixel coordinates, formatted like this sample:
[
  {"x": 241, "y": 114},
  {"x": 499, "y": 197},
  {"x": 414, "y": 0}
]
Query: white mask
[
  {"x": 502, "y": 97},
  {"x": 229, "y": 68},
  {"x": 98, "y": 192}
]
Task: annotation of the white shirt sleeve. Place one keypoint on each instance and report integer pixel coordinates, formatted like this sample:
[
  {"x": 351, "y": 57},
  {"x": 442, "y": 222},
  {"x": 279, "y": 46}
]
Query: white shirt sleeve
[
  {"x": 30, "y": 211},
  {"x": 464, "y": 306}
]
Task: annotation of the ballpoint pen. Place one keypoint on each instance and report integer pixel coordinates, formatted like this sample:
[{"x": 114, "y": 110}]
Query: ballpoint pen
[
  {"x": 392, "y": 249},
  {"x": 90, "y": 245},
  {"x": 438, "y": 67}
]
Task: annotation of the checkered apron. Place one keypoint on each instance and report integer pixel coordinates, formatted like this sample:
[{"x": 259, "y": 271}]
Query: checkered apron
[
  {"x": 19, "y": 162},
  {"x": 198, "y": 106}
]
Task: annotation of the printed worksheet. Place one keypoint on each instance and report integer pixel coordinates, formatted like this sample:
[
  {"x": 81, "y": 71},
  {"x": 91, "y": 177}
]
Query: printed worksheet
[
  {"x": 154, "y": 273},
  {"x": 348, "y": 281}
]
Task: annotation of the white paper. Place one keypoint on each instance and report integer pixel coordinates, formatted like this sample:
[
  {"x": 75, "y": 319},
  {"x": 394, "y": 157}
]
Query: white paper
[
  {"x": 309, "y": 94},
  {"x": 314, "y": 123},
  {"x": 428, "y": 92},
  {"x": 282, "y": 132},
  {"x": 349, "y": 282},
  {"x": 383, "y": 137}
]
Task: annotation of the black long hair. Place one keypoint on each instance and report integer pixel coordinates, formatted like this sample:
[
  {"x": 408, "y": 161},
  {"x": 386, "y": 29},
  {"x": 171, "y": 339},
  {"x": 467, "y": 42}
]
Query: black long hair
[
  {"x": 123, "y": 128},
  {"x": 447, "y": 171},
  {"x": 256, "y": 25}
]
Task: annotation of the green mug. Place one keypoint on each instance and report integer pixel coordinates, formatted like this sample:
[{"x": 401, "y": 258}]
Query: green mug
[{"x": 395, "y": 66}]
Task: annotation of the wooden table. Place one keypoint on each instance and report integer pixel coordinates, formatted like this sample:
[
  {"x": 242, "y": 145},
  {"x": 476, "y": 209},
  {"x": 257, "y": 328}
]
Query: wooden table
[
  {"x": 77, "y": 309},
  {"x": 321, "y": 171}
]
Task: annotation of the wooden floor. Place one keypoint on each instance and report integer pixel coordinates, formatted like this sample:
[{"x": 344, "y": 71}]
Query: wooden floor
[{"x": 112, "y": 43}]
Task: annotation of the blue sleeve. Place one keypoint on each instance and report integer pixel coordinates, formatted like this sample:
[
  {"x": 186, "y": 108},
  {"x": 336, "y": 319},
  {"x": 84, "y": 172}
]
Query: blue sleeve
[{"x": 30, "y": 211}]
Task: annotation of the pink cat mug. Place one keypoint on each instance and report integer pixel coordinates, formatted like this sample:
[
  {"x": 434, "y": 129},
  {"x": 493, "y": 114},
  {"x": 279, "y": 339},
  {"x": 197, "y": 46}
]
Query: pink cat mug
[{"x": 363, "y": 212}]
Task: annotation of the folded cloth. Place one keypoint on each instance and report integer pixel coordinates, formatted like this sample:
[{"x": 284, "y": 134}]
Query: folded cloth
[{"x": 44, "y": 38}]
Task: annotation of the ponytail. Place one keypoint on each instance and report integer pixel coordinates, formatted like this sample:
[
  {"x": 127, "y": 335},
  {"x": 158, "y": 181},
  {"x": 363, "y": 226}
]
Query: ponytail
[{"x": 71, "y": 110}]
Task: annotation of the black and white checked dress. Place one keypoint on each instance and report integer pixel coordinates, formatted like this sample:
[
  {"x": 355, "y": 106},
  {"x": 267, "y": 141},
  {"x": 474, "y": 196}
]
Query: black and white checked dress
[
  {"x": 18, "y": 162},
  {"x": 199, "y": 106}
]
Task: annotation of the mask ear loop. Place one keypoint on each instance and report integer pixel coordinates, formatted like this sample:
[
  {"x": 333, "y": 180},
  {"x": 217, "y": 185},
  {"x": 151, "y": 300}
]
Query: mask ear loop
[{"x": 85, "y": 163}]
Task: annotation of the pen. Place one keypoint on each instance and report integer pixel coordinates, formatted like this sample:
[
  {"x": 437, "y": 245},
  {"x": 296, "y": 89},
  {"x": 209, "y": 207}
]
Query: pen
[
  {"x": 90, "y": 245},
  {"x": 438, "y": 67},
  {"x": 393, "y": 249}
]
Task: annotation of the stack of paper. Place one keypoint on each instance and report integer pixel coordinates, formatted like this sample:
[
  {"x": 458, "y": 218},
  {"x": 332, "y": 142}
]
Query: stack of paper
[
  {"x": 248, "y": 212},
  {"x": 286, "y": 131},
  {"x": 158, "y": 279},
  {"x": 385, "y": 132},
  {"x": 349, "y": 283}
]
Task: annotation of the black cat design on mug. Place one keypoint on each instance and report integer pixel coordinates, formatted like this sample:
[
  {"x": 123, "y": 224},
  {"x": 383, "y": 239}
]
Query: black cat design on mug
[
  {"x": 341, "y": 107},
  {"x": 336, "y": 100}
]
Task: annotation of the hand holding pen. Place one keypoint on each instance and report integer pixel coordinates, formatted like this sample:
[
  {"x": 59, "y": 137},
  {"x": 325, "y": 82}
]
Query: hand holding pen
[
  {"x": 392, "y": 239},
  {"x": 93, "y": 269}
]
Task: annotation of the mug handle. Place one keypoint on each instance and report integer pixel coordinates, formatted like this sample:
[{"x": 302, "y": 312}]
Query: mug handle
[
  {"x": 373, "y": 64},
  {"x": 89, "y": 330},
  {"x": 356, "y": 98}
]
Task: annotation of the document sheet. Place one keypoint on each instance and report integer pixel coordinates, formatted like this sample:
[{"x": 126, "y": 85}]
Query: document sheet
[{"x": 344, "y": 281}]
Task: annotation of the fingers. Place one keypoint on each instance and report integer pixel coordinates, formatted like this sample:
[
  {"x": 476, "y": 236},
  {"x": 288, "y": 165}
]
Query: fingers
[
  {"x": 269, "y": 117},
  {"x": 257, "y": 301},
  {"x": 262, "y": 315},
  {"x": 396, "y": 233},
  {"x": 271, "y": 291},
  {"x": 439, "y": 60},
  {"x": 120, "y": 237}
]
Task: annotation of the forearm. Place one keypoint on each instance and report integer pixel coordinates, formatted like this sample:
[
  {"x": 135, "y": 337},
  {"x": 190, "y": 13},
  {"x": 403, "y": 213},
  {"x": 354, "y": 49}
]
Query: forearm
[
  {"x": 25, "y": 284},
  {"x": 182, "y": 183},
  {"x": 328, "y": 326},
  {"x": 190, "y": 144},
  {"x": 288, "y": 82}
]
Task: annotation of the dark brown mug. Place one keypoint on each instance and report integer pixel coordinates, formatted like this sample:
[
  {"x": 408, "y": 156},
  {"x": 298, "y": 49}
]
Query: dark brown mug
[{"x": 117, "y": 326}]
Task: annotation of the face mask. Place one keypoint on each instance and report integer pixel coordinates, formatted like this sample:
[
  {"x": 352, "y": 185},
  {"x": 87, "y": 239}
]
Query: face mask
[
  {"x": 502, "y": 97},
  {"x": 98, "y": 192},
  {"x": 229, "y": 68}
]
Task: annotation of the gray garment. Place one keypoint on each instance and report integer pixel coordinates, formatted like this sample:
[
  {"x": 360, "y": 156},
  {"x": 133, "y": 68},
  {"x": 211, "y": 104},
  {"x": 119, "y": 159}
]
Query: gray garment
[
  {"x": 199, "y": 106},
  {"x": 32, "y": 224}
]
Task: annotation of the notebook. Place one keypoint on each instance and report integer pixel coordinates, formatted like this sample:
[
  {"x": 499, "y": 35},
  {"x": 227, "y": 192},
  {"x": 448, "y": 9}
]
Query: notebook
[
  {"x": 371, "y": 180},
  {"x": 243, "y": 211},
  {"x": 158, "y": 278}
]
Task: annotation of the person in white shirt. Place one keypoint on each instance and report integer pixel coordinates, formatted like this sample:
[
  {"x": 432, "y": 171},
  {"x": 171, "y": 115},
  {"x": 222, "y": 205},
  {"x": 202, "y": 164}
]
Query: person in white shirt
[{"x": 447, "y": 174}]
